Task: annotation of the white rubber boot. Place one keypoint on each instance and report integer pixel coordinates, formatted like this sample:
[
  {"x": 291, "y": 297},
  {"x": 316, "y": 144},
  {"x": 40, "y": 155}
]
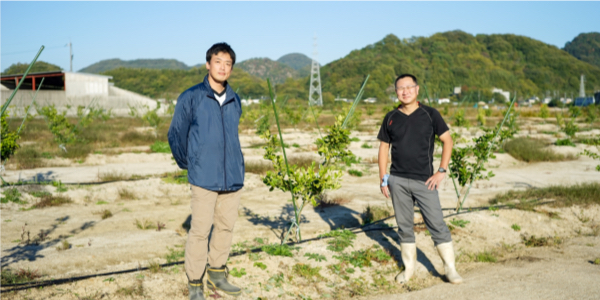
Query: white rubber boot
[
  {"x": 446, "y": 252},
  {"x": 409, "y": 258}
]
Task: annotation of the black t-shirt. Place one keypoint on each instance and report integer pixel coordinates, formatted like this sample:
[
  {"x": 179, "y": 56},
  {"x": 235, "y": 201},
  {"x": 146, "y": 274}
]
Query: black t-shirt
[{"x": 412, "y": 138}]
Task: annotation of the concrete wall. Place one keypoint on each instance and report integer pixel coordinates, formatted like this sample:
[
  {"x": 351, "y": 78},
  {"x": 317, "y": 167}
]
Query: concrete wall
[
  {"x": 117, "y": 100},
  {"x": 83, "y": 84}
]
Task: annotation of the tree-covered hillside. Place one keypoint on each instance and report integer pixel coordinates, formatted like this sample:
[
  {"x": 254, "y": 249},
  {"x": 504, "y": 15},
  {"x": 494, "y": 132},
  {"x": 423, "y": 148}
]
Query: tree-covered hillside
[
  {"x": 115, "y": 63},
  {"x": 39, "y": 66},
  {"x": 586, "y": 47},
  {"x": 456, "y": 58},
  {"x": 169, "y": 84},
  {"x": 264, "y": 67},
  {"x": 298, "y": 62}
]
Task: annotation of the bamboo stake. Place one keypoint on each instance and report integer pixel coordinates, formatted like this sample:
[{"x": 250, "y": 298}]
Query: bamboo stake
[
  {"x": 356, "y": 100},
  {"x": 5, "y": 106},
  {"x": 287, "y": 167}
]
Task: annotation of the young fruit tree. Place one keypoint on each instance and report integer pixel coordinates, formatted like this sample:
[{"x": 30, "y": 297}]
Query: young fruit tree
[{"x": 306, "y": 184}]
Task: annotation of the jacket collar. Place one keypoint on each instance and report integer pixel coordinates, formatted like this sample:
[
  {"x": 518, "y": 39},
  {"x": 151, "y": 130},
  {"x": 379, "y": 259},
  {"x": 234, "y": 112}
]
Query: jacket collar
[{"x": 228, "y": 90}]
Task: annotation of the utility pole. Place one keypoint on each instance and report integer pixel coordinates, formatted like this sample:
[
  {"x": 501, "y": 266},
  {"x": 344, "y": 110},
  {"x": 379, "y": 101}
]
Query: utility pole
[
  {"x": 70, "y": 56},
  {"x": 315, "y": 80}
]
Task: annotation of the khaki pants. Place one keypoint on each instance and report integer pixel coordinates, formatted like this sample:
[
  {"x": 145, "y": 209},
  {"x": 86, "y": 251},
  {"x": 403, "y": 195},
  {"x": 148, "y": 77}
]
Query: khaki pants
[{"x": 210, "y": 208}]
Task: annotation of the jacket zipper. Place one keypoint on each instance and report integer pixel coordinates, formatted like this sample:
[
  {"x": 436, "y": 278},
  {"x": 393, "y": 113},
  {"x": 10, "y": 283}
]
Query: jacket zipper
[{"x": 224, "y": 150}]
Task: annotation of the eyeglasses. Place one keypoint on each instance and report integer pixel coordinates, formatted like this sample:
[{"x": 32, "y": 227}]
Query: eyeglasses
[{"x": 408, "y": 88}]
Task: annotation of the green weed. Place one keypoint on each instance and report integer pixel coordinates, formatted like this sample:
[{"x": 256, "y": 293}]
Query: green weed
[
  {"x": 64, "y": 246},
  {"x": 532, "y": 241},
  {"x": 342, "y": 239},
  {"x": 144, "y": 225},
  {"x": 485, "y": 256},
  {"x": 516, "y": 227},
  {"x": 177, "y": 177},
  {"x": 12, "y": 195},
  {"x": 174, "y": 255},
  {"x": 459, "y": 223},
  {"x": 366, "y": 146},
  {"x": 278, "y": 250},
  {"x": 238, "y": 273},
  {"x": 40, "y": 194},
  {"x": 260, "y": 265},
  {"x": 316, "y": 257},
  {"x": 565, "y": 142}
]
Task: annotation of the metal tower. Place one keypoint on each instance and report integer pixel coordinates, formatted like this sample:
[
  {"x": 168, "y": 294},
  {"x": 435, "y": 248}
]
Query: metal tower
[
  {"x": 582, "y": 87},
  {"x": 315, "y": 79}
]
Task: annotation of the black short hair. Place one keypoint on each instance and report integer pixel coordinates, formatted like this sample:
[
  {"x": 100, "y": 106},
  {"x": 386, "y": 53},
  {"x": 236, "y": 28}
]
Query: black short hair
[
  {"x": 414, "y": 78},
  {"x": 218, "y": 48}
]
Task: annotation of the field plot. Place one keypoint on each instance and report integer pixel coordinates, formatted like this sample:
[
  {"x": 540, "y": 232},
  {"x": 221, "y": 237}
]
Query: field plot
[{"x": 531, "y": 231}]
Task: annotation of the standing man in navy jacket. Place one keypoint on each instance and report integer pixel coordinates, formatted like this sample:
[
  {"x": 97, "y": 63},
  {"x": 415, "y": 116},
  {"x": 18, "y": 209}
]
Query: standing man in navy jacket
[{"x": 204, "y": 140}]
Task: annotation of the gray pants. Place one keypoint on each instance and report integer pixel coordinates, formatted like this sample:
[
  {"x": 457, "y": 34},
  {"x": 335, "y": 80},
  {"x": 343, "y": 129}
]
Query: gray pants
[{"x": 405, "y": 192}]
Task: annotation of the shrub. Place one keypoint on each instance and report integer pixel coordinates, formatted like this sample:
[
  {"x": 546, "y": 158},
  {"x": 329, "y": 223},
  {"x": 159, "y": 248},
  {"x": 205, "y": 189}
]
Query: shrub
[
  {"x": 532, "y": 150},
  {"x": 460, "y": 120}
]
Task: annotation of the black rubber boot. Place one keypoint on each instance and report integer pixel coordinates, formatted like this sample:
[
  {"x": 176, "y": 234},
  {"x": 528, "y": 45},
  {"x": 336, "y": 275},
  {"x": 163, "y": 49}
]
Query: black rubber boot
[
  {"x": 217, "y": 279},
  {"x": 196, "y": 289}
]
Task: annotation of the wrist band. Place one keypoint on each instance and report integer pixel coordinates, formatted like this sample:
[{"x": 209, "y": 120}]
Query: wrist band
[{"x": 385, "y": 180}]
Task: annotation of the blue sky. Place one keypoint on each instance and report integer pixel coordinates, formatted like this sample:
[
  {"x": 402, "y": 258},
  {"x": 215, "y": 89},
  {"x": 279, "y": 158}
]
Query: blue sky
[{"x": 185, "y": 30}]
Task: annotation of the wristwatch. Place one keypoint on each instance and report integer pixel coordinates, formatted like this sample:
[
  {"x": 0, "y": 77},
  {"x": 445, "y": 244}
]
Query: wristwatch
[{"x": 442, "y": 170}]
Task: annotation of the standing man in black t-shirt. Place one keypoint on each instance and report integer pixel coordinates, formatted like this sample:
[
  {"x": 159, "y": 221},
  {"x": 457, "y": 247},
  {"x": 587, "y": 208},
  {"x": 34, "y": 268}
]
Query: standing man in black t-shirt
[{"x": 411, "y": 130}]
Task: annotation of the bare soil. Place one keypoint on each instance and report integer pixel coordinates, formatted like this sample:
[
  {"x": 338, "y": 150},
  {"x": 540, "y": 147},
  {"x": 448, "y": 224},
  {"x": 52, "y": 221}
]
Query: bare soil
[{"x": 564, "y": 270}]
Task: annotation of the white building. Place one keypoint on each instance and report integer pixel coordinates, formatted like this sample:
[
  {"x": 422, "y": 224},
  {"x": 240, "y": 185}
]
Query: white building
[
  {"x": 68, "y": 90},
  {"x": 503, "y": 93},
  {"x": 443, "y": 100}
]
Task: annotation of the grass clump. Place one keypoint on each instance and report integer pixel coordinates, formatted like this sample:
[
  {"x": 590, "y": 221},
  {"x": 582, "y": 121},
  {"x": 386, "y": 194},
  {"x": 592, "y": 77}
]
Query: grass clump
[
  {"x": 258, "y": 167},
  {"x": 596, "y": 261},
  {"x": 144, "y": 225},
  {"x": 160, "y": 147},
  {"x": 342, "y": 239},
  {"x": 28, "y": 157},
  {"x": 532, "y": 241},
  {"x": 485, "y": 256},
  {"x": 516, "y": 227},
  {"x": 12, "y": 195},
  {"x": 532, "y": 150},
  {"x": 56, "y": 200},
  {"x": 21, "y": 275},
  {"x": 137, "y": 289},
  {"x": 307, "y": 271},
  {"x": 126, "y": 194},
  {"x": 355, "y": 173},
  {"x": 63, "y": 246},
  {"x": 565, "y": 142},
  {"x": 113, "y": 176},
  {"x": 583, "y": 194},
  {"x": 376, "y": 213},
  {"x": 106, "y": 214},
  {"x": 154, "y": 267},
  {"x": 177, "y": 177},
  {"x": 366, "y": 146},
  {"x": 40, "y": 194}
]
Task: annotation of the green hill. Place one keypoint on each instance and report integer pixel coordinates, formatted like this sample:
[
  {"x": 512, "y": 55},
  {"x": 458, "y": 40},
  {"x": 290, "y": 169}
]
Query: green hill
[
  {"x": 115, "y": 63},
  {"x": 456, "y": 58},
  {"x": 264, "y": 67},
  {"x": 168, "y": 83},
  {"x": 298, "y": 62},
  {"x": 39, "y": 66},
  {"x": 586, "y": 47}
]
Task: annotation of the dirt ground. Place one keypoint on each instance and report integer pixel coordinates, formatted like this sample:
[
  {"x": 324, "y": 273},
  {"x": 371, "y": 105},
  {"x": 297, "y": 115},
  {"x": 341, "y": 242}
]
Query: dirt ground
[{"x": 564, "y": 270}]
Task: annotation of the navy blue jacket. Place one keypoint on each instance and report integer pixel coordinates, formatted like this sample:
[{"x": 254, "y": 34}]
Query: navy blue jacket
[{"x": 204, "y": 138}]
